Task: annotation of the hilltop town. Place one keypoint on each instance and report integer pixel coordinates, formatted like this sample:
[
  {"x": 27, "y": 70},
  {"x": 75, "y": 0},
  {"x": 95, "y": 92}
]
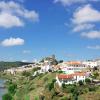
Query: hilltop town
[{"x": 66, "y": 79}]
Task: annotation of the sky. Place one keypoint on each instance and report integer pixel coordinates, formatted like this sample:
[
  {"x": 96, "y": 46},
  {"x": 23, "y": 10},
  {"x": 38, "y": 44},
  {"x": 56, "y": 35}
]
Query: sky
[{"x": 32, "y": 29}]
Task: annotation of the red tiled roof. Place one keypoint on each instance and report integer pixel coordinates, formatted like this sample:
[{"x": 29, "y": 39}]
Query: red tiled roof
[
  {"x": 73, "y": 63},
  {"x": 68, "y": 76},
  {"x": 79, "y": 74},
  {"x": 64, "y": 76}
]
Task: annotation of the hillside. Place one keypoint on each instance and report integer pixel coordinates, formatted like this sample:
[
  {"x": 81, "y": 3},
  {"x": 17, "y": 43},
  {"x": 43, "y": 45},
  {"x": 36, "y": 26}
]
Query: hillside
[
  {"x": 44, "y": 86},
  {"x": 7, "y": 65}
]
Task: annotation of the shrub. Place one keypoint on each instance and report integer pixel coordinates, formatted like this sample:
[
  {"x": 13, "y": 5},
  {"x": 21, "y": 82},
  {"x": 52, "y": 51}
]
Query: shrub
[
  {"x": 60, "y": 71},
  {"x": 45, "y": 79},
  {"x": 92, "y": 88},
  {"x": 69, "y": 88},
  {"x": 63, "y": 85},
  {"x": 87, "y": 80},
  {"x": 75, "y": 97},
  {"x": 53, "y": 80},
  {"x": 81, "y": 83},
  {"x": 95, "y": 75},
  {"x": 12, "y": 88},
  {"x": 51, "y": 86},
  {"x": 25, "y": 73},
  {"x": 7, "y": 97},
  {"x": 36, "y": 69},
  {"x": 64, "y": 98}
]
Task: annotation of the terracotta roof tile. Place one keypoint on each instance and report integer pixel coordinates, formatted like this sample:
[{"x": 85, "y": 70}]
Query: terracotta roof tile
[{"x": 68, "y": 76}]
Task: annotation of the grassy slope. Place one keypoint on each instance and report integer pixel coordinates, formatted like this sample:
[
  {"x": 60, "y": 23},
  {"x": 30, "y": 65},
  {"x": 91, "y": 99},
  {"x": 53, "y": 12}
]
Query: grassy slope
[{"x": 31, "y": 89}]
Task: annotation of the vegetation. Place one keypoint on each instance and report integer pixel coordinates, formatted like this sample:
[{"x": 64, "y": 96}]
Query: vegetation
[
  {"x": 24, "y": 86},
  {"x": 7, "y": 65},
  {"x": 7, "y": 97},
  {"x": 87, "y": 81},
  {"x": 25, "y": 73}
]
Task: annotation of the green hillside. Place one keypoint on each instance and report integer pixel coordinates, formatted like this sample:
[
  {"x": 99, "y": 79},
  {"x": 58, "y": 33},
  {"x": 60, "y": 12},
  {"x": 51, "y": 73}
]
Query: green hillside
[{"x": 6, "y": 65}]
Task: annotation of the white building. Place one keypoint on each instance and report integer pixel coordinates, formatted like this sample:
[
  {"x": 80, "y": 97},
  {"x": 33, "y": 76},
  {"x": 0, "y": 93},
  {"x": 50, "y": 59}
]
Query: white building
[
  {"x": 46, "y": 68},
  {"x": 98, "y": 62},
  {"x": 90, "y": 63},
  {"x": 70, "y": 78},
  {"x": 72, "y": 67}
]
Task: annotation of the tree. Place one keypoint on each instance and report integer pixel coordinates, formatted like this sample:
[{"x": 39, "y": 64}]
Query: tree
[
  {"x": 12, "y": 88},
  {"x": 63, "y": 85},
  {"x": 95, "y": 68},
  {"x": 87, "y": 80},
  {"x": 7, "y": 96},
  {"x": 53, "y": 80},
  {"x": 51, "y": 85},
  {"x": 54, "y": 62},
  {"x": 95, "y": 75},
  {"x": 80, "y": 82},
  {"x": 92, "y": 88},
  {"x": 61, "y": 61}
]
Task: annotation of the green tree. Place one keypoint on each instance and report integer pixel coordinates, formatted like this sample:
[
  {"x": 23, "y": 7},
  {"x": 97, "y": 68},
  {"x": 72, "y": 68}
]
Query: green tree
[
  {"x": 87, "y": 80},
  {"x": 61, "y": 61},
  {"x": 51, "y": 85},
  {"x": 92, "y": 88},
  {"x": 95, "y": 75},
  {"x": 7, "y": 96},
  {"x": 63, "y": 85},
  {"x": 12, "y": 88},
  {"x": 81, "y": 82}
]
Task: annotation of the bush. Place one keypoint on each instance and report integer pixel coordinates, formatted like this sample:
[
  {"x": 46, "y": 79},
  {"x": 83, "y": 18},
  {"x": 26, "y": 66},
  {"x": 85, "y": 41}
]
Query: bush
[
  {"x": 87, "y": 80},
  {"x": 95, "y": 75},
  {"x": 92, "y": 88},
  {"x": 51, "y": 86},
  {"x": 75, "y": 97},
  {"x": 69, "y": 88},
  {"x": 25, "y": 73},
  {"x": 53, "y": 80},
  {"x": 45, "y": 79},
  {"x": 63, "y": 85},
  {"x": 7, "y": 97},
  {"x": 36, "y": 69},
  {"x": 81, "y": 83},
  {"x": 64, "y": 98},
  {"x": 12, "y": 88},
  {"x": 60, "y": 71}
]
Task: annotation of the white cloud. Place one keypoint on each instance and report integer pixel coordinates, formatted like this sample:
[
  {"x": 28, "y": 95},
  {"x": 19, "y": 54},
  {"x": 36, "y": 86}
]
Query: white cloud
[
  {"x": 96, "y": 47},
  {"x": 86, "y": 14},
  {"x": 85, "y": 19},
  {"x": 82, "y": 27},
  {"x": 91, "y": 34},
  {"x": 17, "y": 13},
  {"x": 69, "y": 2},
  {"x": 26, "y": 51},
  {"x": 12, "y": 42},
  {"x": 7, "y": 20}
]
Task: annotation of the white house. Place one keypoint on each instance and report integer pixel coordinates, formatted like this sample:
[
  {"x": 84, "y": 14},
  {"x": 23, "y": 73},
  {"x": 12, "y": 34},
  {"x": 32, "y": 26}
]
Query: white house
[
  {"x": 90, "y": 63},
  {"x": 70, "y": 78},
  {"x": 72, "y": 67},
  {"x": 46, "y": 68},
  {"x": 98, "y": 62}
]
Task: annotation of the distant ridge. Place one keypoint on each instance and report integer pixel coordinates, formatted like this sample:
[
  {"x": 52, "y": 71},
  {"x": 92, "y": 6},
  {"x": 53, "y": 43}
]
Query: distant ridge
[{"x": 6, "y": 65}]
